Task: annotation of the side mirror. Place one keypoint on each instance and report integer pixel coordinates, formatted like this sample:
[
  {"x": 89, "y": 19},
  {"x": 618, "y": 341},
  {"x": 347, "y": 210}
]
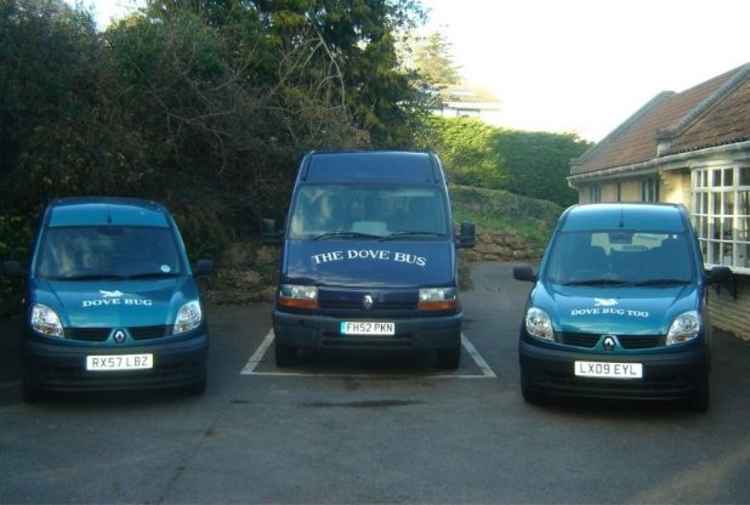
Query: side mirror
[
  {"x": 467, "y": 238},
  {"x": 524, "y": 273},
  {"x": 717, "y": 275},
  {"x": 269, "y": 233},
  {"x": 12, "y": 269},
  {"x": 203, "y": 268}
]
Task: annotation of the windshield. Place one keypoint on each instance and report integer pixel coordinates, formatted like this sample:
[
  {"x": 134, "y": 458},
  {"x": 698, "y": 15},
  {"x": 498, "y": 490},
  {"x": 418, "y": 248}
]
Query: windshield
[
  {"x": 107, "y": 251},
  {"x": 368, "y": 211},
  {"x": 619, "y": 257}
]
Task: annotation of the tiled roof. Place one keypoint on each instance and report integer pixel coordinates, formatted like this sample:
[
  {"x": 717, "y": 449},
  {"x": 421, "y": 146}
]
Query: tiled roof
[{"x": 635, "y": 140}]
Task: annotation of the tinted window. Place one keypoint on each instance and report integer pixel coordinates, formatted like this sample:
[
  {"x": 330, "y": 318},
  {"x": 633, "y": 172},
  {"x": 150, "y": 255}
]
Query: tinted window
[
  {"x": 371, "y": 210},
  {"x": 631, "y": 257},
  {"x": 84, "y": 251},
  {"x": 407, "y": 167}
]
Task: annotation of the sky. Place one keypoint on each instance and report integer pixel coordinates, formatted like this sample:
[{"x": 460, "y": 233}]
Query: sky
[{"x": 578, "y": 66}]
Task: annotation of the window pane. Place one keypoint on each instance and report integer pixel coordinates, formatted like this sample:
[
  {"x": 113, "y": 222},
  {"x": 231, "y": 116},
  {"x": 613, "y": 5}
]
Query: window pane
[
  {"x": 743, "y": 203},
  {"x": 716, "y": 178},
  {"x": 715, "y": 253},
  {"x": 745, "y": 176},
  {"x": 726, "y": 230},
  {"x": 704, "y": 250},
  {"x": 715, "y": 228},
  {"x": 743, "y": 255},
  {"x": 698, "y": 178},
  {"x": 727, "y": 254},
  {"x": 705, "y": 203},
  {"x": 743, "y": 228},
  {"x": 703, "y": 227},
  {"x": 717, "y": 203},
  {"x": 728, "y": 177},
  {"x": 729, "y": 203},
  {"x": 705, "y": 178}
]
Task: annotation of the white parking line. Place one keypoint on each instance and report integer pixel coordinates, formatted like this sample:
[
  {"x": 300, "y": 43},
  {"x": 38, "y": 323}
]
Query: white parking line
[{"x": 252, "y": 364}]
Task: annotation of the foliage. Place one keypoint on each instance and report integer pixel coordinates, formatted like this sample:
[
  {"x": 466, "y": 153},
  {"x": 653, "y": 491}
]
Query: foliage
[
  {"x": 15, "y": 241},
  {"x": 533, "y": 164},
  {"x": 434, "y": 62}
]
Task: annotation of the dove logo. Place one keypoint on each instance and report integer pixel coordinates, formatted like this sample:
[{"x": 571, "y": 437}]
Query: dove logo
[
  {"x": 111, "y": 294},
  {"x": 604, "y": 302}
]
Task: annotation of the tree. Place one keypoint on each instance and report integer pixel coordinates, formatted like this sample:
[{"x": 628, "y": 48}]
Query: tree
[{"x": 434, "y": 62}]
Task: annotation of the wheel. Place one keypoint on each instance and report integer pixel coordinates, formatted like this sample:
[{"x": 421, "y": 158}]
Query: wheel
[
  {"x": 701, "y": 398},
  {"x": 449, "y": 359},
  {"x": 530, "y": 395},
  {"x": 198, "y": 388},
  {"x": 286, "y": 355},
  {"x": 30, "y": 391}
]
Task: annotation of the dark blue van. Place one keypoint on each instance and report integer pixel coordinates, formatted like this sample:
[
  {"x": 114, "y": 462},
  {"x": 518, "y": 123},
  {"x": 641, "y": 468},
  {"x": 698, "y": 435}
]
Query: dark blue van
[
  {"x": 369, "y": 257},
  {"x": 112, "y": 300},
  {"x": 618, "y": 309}
]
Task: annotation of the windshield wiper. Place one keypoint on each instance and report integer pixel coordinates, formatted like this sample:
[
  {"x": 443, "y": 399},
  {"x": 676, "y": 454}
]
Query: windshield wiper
[
  {"x": 400, "y": 234},
  {"x": 149, "y": 275},
  {"x": 346, "y": 234},
  {"x": 597, "y": 282},
  {"x": 86, "y": 277},
  {"x": 661, "y": 282}
]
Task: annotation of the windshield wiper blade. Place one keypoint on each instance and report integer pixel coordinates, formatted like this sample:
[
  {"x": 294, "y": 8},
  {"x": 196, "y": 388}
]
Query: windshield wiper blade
[
  {"x": 347, "y": 234},
  {"x": 661, "y": 282},
  {"x": 149, "y": 275},
  {"x": 400, "y": 234},
  {"x": 597, "y": 282}
]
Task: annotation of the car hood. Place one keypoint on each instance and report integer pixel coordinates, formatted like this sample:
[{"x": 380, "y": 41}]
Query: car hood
[
  {"x": 619, "y": 310},
  {"x": 115, "y": 303},
  {"x": 369, "y": 263}
]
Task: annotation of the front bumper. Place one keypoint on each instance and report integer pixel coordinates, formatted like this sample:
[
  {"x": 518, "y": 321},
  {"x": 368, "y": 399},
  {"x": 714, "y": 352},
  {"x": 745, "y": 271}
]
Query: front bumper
[
  {"x": 666, "y": 376},
  {"x": 63, "y": 367},
  {"x": 318, "y": 332}
]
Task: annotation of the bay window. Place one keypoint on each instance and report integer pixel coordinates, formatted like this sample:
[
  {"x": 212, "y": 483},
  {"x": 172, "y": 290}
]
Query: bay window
[{"x": 721, "y": 215}]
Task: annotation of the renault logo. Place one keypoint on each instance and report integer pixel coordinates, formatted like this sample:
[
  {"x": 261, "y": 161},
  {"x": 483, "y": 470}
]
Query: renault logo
[
  {"x": 119, "y": 336},
  {"x": 610, "y": 341},
  {"x": 368, "y": 302}
]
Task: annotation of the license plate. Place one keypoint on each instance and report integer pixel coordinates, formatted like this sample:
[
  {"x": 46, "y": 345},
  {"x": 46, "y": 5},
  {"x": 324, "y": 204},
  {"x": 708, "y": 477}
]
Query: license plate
[
  {"x": 367, "y": 328},
  {"x": 609, "y": 370},
  {"x": 119, "y": 362}
]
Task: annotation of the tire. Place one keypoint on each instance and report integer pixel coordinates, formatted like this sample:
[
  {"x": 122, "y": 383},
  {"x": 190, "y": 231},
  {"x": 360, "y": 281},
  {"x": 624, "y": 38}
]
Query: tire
[
  {"x": 530, "y": 395},
  {"x": 286, "y": 355},
  {"x": 700, "y": 401},
  {"x": 449, "y": 359},
  {"x": 30, "y": 392},
  {"x": 198, "y": 388}
]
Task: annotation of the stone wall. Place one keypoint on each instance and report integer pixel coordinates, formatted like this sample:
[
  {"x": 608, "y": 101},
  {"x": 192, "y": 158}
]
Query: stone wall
[{"x": 502, "y": 247}]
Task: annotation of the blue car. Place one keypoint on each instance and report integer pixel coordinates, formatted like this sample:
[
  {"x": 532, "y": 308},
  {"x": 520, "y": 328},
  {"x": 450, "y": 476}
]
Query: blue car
[
  {"x": 618, "y": 308},
  {"x": 369, "y": 258},
  {"x": 112, "y": 301}
]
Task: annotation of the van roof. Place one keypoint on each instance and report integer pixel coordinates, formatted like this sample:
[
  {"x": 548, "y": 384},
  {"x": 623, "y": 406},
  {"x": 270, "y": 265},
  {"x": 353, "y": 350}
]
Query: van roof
[
  {"x": 101, "y": 211},
  {"x": 629, "y": 216},
  {"x": 371, "y": 166}
]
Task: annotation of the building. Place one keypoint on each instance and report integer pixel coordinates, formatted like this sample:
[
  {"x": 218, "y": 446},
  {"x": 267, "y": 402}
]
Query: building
[
  {"x": 469, "y": 101},
  {"x": 692, "y": 148}
]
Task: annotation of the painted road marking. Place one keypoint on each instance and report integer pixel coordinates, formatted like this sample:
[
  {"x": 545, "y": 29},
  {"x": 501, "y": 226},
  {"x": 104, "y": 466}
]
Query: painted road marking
[{"x": 255, "y": 360}]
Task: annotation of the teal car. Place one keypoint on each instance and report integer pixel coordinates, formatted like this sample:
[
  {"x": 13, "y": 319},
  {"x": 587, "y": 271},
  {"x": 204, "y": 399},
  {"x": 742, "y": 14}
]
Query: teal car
[
  {"x": 112, "y": 301},
  {"x": 619, "y": 308}
]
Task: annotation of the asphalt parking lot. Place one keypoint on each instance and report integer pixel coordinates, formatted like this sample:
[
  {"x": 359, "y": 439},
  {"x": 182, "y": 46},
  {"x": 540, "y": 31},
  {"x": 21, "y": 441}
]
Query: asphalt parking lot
[{"x": 376, "y": 429}]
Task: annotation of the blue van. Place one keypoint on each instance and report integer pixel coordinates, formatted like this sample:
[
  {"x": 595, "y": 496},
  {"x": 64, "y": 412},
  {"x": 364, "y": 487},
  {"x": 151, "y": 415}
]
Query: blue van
[
  {"x": 618, "y": 309},
  {"x": 112, "y": 301},
  {"x": 369, "y": 257}
]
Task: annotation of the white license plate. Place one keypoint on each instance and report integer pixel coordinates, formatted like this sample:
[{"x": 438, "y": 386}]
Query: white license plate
[
  {"x": 120, "y": 362},
  {"x": 609, "y": 370},
  {"x": 367, "y": 328}
]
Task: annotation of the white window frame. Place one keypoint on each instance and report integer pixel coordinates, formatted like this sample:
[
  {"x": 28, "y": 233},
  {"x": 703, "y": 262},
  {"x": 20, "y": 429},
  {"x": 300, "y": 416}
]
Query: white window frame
[
  {"x": 714, "y": 188},
  {"x": 595, "y": 193},
  {"x": 650, "y": 187}
]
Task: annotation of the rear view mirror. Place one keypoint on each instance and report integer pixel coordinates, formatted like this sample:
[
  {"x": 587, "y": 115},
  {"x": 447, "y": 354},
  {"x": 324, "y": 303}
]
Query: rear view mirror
[
  {"x": 467, "y": 238},
  {"x": 269, "y": 232},
  {"x": 203, "y": 267},
  {"x": 524, "y": 273},
  {"x": 12, "y": 269}
]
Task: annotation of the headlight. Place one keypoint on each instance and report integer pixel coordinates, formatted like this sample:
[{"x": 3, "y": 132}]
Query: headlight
[
  {"x": 189, "y": 317},
  {"x": 298, "y": 297},
  {"x": 46, "y": 321},
  {"x": 539, "y": 325},
  {"x": 437, "y": 299},
  {"x": 685, "y": 327}
]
